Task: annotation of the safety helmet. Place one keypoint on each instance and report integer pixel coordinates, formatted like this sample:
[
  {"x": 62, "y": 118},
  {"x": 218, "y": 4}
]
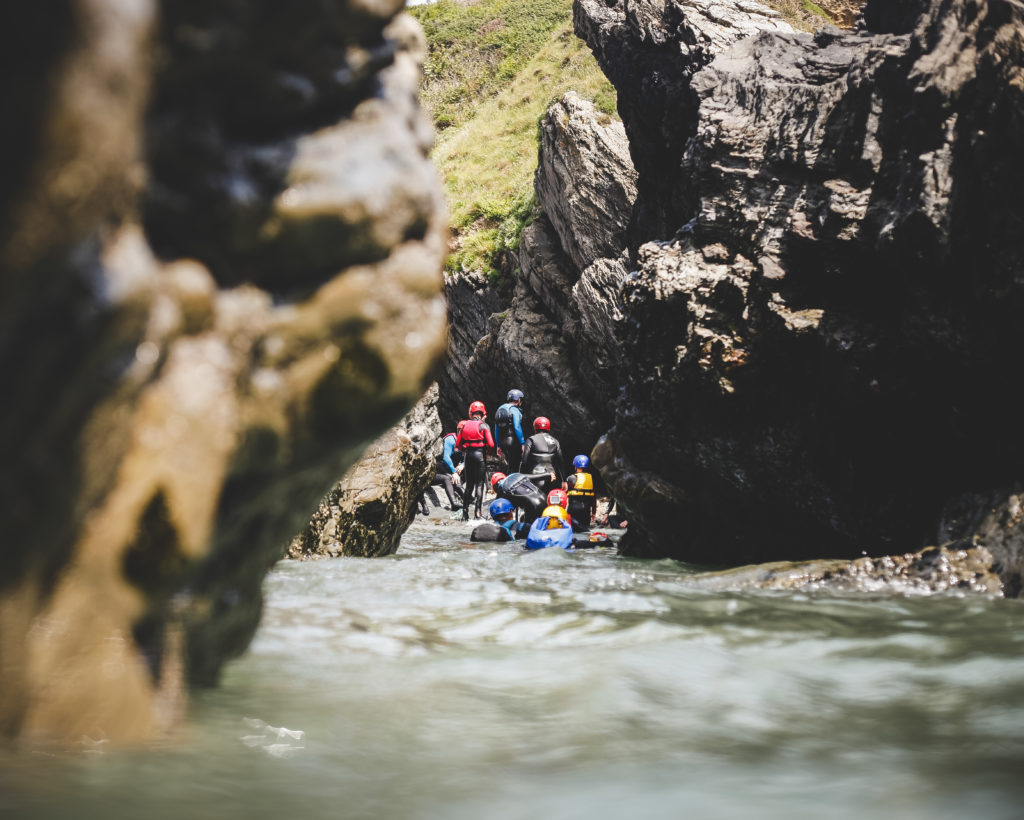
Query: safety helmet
[
  {"x": 514, "y": 395},
  {"x": 496, "y": 477},
  {"x": 581, "y": 462},
  {"x": 554, "y": 511},
  {"x": 542, "y": 423},
  {"x": 558, "y": 496},
  {"x": 500, "y": 506},
  {"x": 477, "y": 407}
]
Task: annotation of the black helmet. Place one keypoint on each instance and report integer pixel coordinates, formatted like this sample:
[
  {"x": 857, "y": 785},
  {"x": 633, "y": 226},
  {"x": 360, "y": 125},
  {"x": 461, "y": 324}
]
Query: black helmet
[{"x": 514, "y": 395}]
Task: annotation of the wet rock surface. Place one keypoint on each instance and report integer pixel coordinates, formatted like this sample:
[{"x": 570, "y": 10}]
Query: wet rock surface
[
  {"x": 933, "y": 570},
  {"x": 367, "y": 511},
  {"x": 553, "y": 338},
  {"x": 821, "y": 311},
  {"x": 220, "y": 258}
]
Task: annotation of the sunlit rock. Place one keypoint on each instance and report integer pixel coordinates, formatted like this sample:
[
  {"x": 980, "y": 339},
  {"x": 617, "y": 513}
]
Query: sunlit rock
[{"x": 220, "y": 279}]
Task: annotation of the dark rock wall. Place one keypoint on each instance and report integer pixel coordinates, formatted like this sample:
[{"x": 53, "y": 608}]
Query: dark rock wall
[
  {"x": 220, "y": 279},
  {"x": 823, "y": 349},
  {"x": 552, "y": 339}
]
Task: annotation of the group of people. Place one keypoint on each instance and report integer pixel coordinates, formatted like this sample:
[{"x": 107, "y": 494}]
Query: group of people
[{"x": 536, "y": 486}]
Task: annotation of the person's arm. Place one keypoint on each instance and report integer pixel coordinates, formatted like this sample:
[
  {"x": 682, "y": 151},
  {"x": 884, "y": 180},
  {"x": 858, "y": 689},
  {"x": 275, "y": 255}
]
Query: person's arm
[
  {"x": 487, "y": 435},
  {"x": 558, "y": 462},
  {"x": 527, "y": 449},
  {"x": 446, "y": 457},
  {"x": 517, "y": 425}
]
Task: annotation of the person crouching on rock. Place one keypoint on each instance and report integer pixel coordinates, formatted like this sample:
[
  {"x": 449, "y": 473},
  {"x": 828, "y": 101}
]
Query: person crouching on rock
[
  {"x": 582, "y": 498},
  {"x": 447, "y": 474},
  {"x": 521, "y": 491},
  {"x": 474, "y": 439},
  {"x": 504, "y": 527}
]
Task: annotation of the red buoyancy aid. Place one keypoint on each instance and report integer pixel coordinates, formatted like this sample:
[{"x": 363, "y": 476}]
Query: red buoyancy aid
[{"x": 474, "y": 435}]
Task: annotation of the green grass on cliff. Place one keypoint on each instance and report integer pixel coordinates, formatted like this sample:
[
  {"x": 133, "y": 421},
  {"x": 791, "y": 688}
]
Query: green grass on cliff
[{"x": 493, "y": 69}]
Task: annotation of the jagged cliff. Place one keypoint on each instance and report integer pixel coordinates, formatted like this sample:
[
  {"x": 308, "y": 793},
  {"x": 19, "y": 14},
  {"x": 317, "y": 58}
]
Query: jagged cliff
[
  {"x": 819, "y": 288},
  {"x": 220, "y": 254}
]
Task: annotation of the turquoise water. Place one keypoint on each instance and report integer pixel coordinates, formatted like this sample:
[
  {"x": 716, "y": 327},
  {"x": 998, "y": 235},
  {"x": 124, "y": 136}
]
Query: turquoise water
[{"x": 450, "y": 682}]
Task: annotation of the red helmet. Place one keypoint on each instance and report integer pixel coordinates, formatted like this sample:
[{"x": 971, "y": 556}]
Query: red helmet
[
  {"x": 542, "y": 423},
  {"x": 558, "y": 497},
  {"x": 496, "y": 477},
  {"x": 477, "y": 407}
]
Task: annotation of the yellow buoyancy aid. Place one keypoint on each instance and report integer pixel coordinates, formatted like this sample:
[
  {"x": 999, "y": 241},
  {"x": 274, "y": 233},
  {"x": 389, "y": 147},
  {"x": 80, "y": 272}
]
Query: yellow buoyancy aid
[
  {"x": 553, "y": 512},
  {"x": 584, "y": 485}
]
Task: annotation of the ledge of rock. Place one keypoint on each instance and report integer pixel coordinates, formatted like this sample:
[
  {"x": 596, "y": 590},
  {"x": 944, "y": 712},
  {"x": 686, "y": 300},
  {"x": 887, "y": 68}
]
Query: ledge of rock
[
  {"x": 365, "y": 513},
  {"x": 206, "y": 312}
]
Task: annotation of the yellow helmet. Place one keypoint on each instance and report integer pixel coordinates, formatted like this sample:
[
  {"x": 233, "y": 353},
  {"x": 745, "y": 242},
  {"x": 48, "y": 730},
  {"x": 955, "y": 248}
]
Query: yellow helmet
[{"x": 554, "y": 511}]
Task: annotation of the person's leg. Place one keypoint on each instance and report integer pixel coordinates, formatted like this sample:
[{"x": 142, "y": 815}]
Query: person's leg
[{"x": 445, "y": 481}]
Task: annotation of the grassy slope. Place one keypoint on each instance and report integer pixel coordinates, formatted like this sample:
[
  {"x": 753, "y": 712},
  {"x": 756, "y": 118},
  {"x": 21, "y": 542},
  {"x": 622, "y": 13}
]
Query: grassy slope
[{"x": 493, "y": 69}]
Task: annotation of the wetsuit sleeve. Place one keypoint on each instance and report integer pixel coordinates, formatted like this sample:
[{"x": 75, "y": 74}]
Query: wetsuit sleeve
[
  {"x": 517, "y": 425},
  {"x": 571, "y": 481},
  {"x": 446, "y": 457},
  {"x": 487, "y": 435},
  {"x": 559, "y": 462}
]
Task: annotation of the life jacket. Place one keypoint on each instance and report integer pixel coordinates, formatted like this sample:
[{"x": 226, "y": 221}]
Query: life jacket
[
  {"x": 540, "y": 537},
  {"x": 471, "y": 437},
  {"x": 505, "y": 421},
  {"x": 583, "y": 486}
]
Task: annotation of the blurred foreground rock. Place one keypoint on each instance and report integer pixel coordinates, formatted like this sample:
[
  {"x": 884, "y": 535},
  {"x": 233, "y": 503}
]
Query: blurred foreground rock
[
  {"x": 220, "y": 255},
  {"x": 366, "y": 512}
]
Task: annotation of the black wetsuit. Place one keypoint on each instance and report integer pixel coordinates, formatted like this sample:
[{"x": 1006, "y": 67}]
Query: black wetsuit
[
  {"x": 474, "y": 439},
  {"x": 543, "y": 453},
  {"x": 493, "y": 531},
  {"x": 508, "y": 431},
  {"x": 523, "y": 493}
]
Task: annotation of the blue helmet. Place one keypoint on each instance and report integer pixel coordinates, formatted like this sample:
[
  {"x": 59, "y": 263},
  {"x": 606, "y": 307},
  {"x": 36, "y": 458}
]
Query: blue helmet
[
  {"x": 500, "y": 506},
  {"x": 514, "y": 395},
  {"x": 581, "y": 462}
]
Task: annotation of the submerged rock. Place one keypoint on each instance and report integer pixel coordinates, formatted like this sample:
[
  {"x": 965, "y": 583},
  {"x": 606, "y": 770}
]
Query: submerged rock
[
  {"x": 367, "y": 511},
  {"x": 220, "y": 258},
  {"x": 933, "y": 570}
]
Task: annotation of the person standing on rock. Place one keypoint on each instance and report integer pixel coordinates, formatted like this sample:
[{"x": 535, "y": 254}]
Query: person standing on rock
[
  {"x": 474, "y": 439},
  {"x": 543, "y": 453},
  {"x": 509, "y": 423}
]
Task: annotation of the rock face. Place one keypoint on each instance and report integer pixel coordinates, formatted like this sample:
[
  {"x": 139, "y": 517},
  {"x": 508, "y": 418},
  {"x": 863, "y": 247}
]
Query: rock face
[
  {"x": 367, "y": 511},
  {"x": 552, "y": 341},
  {"x": 220, "y": 265},
  {"x": 823, "y": 311}
]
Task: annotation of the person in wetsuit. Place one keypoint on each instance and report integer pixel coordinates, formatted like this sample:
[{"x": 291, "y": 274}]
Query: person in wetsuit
[
  {"x": 582, "y": 497},
  {"x": 447, "y": 475},
  {"x": 473, "y": 439},
  {"x": 520, "y": 489},
  {"x": 543, "y": 453},
  {"x": 508, "y": 422},
  {"x": 504, "y": 527}
]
